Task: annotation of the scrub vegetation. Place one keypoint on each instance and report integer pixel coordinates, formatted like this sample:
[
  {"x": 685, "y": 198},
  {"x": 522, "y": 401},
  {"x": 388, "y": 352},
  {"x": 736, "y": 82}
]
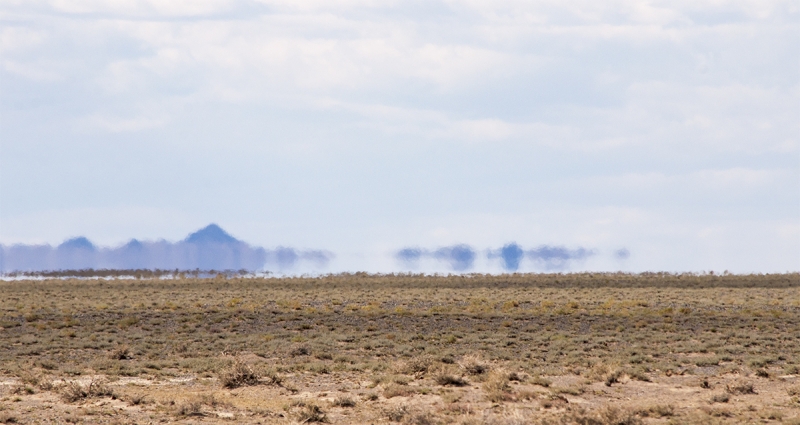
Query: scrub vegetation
[{"x": 588, "y": 349}]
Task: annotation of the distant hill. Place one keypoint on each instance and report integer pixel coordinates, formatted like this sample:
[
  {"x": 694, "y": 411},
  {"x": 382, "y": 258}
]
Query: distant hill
[
  {"x": 211, "y": 234},
  {"x": 209, "y": 248},
  {"x": 77, "y": 243}
]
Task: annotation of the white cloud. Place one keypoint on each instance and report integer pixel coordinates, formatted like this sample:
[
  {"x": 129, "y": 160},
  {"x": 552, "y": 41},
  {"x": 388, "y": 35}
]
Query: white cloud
[
  {"x": 16, "y": 38},
  {"x": 269, "y": 60},
  {"x": 120, "y": 125},
  {"x": 618, "y": 119},
  {"x": 733, "y": 179},
  {"x": 139, "y": 8},
  {"x": 31, "y": 71}
]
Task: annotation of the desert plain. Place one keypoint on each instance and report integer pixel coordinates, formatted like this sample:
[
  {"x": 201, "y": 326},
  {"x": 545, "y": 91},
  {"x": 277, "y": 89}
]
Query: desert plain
[{"x": 587, "y": 348}]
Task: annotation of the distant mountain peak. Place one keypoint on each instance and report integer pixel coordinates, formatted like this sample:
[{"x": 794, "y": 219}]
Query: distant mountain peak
[
  {"x": 134, "y": 244},
  {"x": 211, "y": 234},
  {"x": 79, "y": 242}
]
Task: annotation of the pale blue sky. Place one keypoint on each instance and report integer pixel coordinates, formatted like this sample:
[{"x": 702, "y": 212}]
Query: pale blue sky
[{"x": 667, "y": 128}]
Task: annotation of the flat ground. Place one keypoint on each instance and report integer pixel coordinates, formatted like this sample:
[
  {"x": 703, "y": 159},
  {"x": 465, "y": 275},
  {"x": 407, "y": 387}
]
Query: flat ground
[{"x": 360, "y": 349}]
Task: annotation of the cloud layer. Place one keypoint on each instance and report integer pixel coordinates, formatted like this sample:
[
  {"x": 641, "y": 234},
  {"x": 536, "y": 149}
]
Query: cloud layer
[{"x": 667, "y": 127}]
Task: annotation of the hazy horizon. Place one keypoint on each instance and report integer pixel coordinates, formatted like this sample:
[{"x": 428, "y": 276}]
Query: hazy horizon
[{"x": 212, "y": 248}]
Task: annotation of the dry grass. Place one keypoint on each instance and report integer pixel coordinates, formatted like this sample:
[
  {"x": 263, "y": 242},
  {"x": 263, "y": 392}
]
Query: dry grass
[
  {"x": 238, "y": 375},
  {"x": 606, "y": 416},
  {"x": 473, "y": 364},
  {"x": 741, "y": 388},
  {"x": 309, "y": 413},
  {"x": 74, "y": 391},
  {"x": 496, "y": 386},
  {"x": 411, "y": 349},
  {"x": 344, "y": 401},
  {"x": 444, "y": 378}
]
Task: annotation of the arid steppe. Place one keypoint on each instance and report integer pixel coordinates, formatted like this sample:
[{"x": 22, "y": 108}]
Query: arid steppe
[{"x": 367, "y": 349}]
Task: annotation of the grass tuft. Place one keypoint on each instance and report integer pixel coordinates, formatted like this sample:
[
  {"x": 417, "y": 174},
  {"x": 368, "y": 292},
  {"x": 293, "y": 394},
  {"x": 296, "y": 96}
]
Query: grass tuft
[
  {"x": 73, "y": 391},
  {"x": 741, "y": 388},
  {"x": 238, "y": 375},
  {"x": 344, "y": 402}
]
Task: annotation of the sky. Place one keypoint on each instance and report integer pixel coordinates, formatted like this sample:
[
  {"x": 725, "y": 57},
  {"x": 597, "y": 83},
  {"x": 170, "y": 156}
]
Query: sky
[{"x": 647, "y": 135}]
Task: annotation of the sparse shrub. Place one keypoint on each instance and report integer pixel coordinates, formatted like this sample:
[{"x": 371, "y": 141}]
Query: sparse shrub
[
  {"x": 120, "y": 353},
  {"x": 638, "y": 374},
  {"x": 128, "y": 322},
  {"x": 444, "y": 379},
  {"x": 707, "y": 361},
  {"x": 73, "y": 391},
  {"x": 238, "y": 375},
  {"x": 606, "y": 373},
  {"x": 762, "y": 373},
  {"x": 389, "y": 379},
  {"x": 760, "y": 362},
  {"x": 8, "y": 418},
  {"x": 46, "y": 385},
  {"x": 496, "y": 387},
  {"x": 416, "y": 366},
  {"x": 569, "y": 390},
  {"x": 194, "y": 406},
  {"x": 615, "y": 416},
  {"x": 22, "y": 389},
  {"x": 717, "y": 412},
  {"x": 741, "y": 388},
  {"x": 344, "y": 359},
  {"x": 720, "y": 398},
  {"x": 190, "y": 408},
  {"x": 48, "y": 365},
  {"x": 300, "y": 350},
  {"x": 540, "y": 381},
  {"x": 311, "y": 413},
  {"x": 419, "y": 418},
  {"x": 658, "y": 411},
  {"x": 396, "y": 413},
  {"x": 99, "y": 389},
  {"x": 324, "y": 356},
  {"x": 459, "y": 409},
  {"x": 271, "y": 377},
  {"x": 320, "y": 369},
  {"x": 29, "y": 378},
  {"x": 30, "y": 381},
  {"x": 451, "y": 397},
  {"x": 397, "y": 390},
  {"x": 473, "y": 365},
  {"x": 137, "y": 399},
  {"x": 605, "y": 416},
  {"x": 509, "y": 417},
  {"x": 344, "y": 402},
  {"x": 613, "y": 377}
]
